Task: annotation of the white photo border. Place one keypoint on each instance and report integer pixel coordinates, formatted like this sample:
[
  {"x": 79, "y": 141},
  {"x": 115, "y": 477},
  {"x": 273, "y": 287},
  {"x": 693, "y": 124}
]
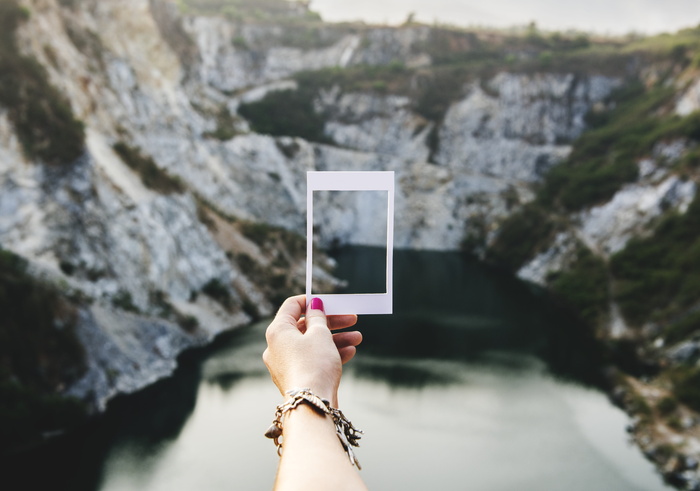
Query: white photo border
[{"x": 357, "y": 303}]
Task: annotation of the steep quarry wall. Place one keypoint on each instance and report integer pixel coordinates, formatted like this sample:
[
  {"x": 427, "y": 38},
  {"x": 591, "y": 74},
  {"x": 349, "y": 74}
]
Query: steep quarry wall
[
  {"x": 138, "y": 74},
  {"x": 179, "y": 221}
]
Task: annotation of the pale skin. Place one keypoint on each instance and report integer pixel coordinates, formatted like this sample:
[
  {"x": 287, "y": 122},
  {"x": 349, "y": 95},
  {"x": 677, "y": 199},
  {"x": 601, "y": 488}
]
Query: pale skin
[{"x": 303, "y": 352}]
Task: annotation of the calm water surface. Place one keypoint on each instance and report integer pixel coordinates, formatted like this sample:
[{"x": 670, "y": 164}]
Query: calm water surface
[{"x": 455, "y": 392}]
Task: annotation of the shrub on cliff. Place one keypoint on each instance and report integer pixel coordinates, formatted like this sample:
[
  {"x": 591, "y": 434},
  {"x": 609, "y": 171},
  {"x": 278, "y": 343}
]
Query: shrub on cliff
[
  {"x": 604, "y": 158},
  {"x": 686, "y": 385},
  {"x": 521, "y": 237},
  {"x": 584, "y": 287},
  {"x": 654, "y": 274},
  {"x": 42, "y": 117},
  {"x": 286, "y": 113},
  {"x": 39, "y": 355},
  {"x": 153, "y": 177}
]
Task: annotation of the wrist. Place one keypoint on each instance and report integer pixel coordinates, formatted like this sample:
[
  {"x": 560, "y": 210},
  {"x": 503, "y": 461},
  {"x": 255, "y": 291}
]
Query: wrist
[
  {"x": 304, "y": 403},
  {"x": 322, "y": 387},
  {"x": 330, "y": 394}
]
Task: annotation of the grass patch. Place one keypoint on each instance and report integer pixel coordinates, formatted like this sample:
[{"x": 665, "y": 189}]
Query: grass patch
[
  {"x": 153, "y": 177},
  {"x": 681, "y": 46},
  {"x": 41, "y": 116}
]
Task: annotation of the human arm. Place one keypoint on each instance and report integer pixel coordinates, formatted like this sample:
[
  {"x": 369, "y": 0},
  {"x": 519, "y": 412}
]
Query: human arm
[{"x": 304, "y": 353}]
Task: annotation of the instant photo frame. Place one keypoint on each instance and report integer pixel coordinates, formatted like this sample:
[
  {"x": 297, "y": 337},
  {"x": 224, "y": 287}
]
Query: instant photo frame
[{"x": 356, "y": 303}]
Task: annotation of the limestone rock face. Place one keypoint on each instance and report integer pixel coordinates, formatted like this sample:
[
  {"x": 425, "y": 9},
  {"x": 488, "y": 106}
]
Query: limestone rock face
[
  {"x": 520, "y": 126},
  {"x": 606, "y": 228},
  {"x": 169, "y": 86},
  {"x": 690, "y": 99},
  {"x": 493, "y": 145},
  {"x": 126, "y": 353}
]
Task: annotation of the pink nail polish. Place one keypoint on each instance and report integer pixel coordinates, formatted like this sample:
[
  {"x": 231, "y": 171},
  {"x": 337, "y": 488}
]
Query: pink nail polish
[{"x": 316, "y": 304}]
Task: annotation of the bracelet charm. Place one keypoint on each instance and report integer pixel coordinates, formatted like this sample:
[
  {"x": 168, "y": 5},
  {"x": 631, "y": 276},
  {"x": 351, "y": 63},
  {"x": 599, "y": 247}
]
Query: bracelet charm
[{"x": 347, "y": 433}]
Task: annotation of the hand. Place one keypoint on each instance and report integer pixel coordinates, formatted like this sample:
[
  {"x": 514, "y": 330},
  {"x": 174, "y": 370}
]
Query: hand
[{"x": 302, "y": 352}]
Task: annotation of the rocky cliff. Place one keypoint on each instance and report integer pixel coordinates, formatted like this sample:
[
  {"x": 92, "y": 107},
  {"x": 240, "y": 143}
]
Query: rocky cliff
[{"x": 182, "y": 213}]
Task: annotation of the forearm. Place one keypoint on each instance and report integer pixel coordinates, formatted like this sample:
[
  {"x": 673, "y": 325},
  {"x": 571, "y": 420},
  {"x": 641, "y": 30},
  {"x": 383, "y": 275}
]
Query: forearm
[{"x": 312, "y": 455}]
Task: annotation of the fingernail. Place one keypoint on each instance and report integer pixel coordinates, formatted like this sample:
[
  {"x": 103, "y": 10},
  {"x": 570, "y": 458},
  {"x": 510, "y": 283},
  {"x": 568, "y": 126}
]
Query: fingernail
[{"x": 316, "y": 304}]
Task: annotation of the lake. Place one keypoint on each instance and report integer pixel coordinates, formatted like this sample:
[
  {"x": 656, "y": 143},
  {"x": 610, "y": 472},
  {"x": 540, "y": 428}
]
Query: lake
[{"x": 476, "y": 382}]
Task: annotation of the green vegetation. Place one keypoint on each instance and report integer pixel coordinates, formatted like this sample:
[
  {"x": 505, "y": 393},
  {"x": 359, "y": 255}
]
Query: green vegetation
[
  {"x": 293, "y": 24},
  {"x": 309, "y": 35},
  {"x": 681, "y": 47},
  {"x": 264, "y": 235},
  {"x": 522, "y": 236},
  {"x": 604, "y": 158},
  {"x": 667, "y": 405},
  {"x": 39, "y": 354},
  {"x": 88, "y": 43},
  {"x": 686, "y": 385},
  {"x": 283, "y": 249},
  {"x": 292, "y": 113},
  {"x": 166, "y": 310},
  {"x": 249, "y": 10},
  {"x": 637, "y": 405},
  {"x": 123, "y": 300},
  {"x": 258, "y": 232},
  {"x": 285, "y": 113},
  {"x": 650, "y": 280},
  {"x": 683, "y": 328},
  {"x": 584, "y": 286},
  {"x": 42, "y": 117},
  {"x": 451, "y": 46},
  {"x": 653, "y": 274},
  {"x": 216, "y": 290},
  {"x": 225, "y": 126},
  {"x": 153, "y": 177},
  {"x": 441, "y": 89},
  {"x": 26, "y": 414}
]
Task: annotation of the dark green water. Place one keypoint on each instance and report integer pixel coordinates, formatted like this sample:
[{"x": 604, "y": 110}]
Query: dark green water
[{"x": 469, "y": 385}]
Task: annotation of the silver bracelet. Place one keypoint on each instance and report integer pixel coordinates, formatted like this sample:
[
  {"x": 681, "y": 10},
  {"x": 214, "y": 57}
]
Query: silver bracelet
[{"x": 347, "y": 433}]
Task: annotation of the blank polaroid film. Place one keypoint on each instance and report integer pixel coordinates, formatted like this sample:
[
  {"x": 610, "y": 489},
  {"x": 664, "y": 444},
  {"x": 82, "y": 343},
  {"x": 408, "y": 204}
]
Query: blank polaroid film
[{"x": 355, "y": 303}]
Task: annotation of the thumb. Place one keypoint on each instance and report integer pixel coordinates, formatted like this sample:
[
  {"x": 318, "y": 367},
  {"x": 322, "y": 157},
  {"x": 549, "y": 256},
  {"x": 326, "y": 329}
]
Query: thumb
[{"x": 315, "y": 315}]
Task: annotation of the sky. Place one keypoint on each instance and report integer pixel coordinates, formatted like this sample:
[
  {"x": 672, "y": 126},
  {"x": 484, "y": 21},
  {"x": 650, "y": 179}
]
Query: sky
[{"x": 600, "y": 16}]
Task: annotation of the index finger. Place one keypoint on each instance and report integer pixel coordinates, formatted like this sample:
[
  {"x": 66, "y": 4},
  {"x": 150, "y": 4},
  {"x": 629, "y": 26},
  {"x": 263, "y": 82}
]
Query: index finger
[
  {"x": 341, "y": 321},
  {"x": 291, "y": 310},
  {"x": 294, "y": 307}
]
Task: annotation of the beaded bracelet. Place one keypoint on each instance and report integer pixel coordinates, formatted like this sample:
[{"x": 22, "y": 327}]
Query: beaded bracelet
[{"x": 347, "y": 433}]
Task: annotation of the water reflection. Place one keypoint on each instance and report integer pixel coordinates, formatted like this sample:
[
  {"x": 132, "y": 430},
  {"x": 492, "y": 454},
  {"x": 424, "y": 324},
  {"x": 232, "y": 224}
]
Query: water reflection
[
  {"x": 450, "y": 306},
  {"x": 403, "y": 374},
  {"x": 455, "y": 391}
]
